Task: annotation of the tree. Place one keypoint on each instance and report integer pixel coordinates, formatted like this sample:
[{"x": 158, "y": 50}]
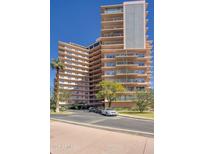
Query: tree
[
  {"x": 144, "y": 100},
  {"x": 152, "y": 99},
  {"x": 109, "y": 91},
  {"x": 58, "y": 66},
  {"x": 64, "y": 96},
  {"x": 52, "y": 100}
]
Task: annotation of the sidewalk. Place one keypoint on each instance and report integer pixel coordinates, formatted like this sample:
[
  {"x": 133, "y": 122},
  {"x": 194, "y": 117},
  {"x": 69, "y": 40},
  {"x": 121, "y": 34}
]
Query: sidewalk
[{"x": 74, "y": 139}]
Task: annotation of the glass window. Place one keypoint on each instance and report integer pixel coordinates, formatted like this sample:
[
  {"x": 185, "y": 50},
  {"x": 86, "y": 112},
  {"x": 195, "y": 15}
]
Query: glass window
[
  {"x": 121, "y": 80},
  {"x": 121, "y": 62},
  {"x": 121, "y": 55},
  {"x": 130, "y": 88},
  {"x": 141, "y": 80},
  {"x": 140, "y": 55},
  {"x": 140, "y": 88},
  {"x": 113, "y": 10},
  {"x": 141, "y": 63},
  {"x": 110, "y": 72},
  {"x": 109, "y": 55},
  {"x": 140, "y": 71},
  {"x": 121, "y": 71},
  {"x": 110, "y": 64}
]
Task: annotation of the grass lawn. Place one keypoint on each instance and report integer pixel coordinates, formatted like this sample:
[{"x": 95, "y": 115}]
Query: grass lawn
[
  {"x": 61, "y": 112},
  {"x": 136, "y": 114}
]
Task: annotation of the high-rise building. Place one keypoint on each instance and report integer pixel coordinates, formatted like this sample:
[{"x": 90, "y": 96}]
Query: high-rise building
[
  {"x": 121, "y": 54},
  {"x": 75, "y": 77}
]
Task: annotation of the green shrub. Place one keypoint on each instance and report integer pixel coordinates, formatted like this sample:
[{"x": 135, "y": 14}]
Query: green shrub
[
  {"x": 52, "y": 104},
  {"x": 63, "y": 108}
]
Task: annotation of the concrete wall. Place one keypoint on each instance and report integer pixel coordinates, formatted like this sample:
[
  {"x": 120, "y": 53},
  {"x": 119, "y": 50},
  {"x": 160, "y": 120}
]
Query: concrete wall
[
  {"x": 122, "y": 104},
  {"x": 134, "y": 25}
]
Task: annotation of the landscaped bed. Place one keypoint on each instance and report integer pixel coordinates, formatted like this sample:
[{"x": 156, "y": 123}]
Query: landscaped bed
[
  {"x": 61, "y": 112},
  {"x": 136, "y": 114}
]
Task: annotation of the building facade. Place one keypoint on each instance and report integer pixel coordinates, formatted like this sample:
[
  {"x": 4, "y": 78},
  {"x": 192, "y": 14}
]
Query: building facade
[
  {"x": 75, "y": 77},
  {"x": 122, "y": 53}
]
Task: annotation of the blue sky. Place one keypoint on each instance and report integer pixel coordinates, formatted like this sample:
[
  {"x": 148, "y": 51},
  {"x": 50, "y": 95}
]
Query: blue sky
[{"x": 78, "y": 21}]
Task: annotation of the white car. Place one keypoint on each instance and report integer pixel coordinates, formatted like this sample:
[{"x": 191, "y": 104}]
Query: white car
[{"x": 109, "y": 112}]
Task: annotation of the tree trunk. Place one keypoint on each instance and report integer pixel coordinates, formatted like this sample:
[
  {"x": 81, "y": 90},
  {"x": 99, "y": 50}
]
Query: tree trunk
[
  {"x": 109, "y": 104},
  {"x": 57, "y": 90}
]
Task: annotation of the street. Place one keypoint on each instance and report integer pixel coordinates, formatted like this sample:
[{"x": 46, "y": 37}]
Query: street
[{"x": 114, "y": 122}]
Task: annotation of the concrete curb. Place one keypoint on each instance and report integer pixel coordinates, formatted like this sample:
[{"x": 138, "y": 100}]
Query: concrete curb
[
  {"x": 138, "y": 118},
  {"x": 146, "y": 134}
]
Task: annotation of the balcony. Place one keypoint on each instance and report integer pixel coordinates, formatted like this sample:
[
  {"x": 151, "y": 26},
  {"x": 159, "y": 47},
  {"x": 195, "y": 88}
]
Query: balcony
[
  {"x": 108, "y": 67},
  {"x": 77, "y": 56},
  {"x": 112, "y": 28},
  {"x": 126, "y": 64},
  {"x": 71, "y": 50},
  {"x": 123, "y": 74},
  {"x": 135, "y": 83},
  {"x": 75, "y": 62},
  {"x": 113, "y": 43},
  {"x": 113, "y": 19},
  {"x": 108, "y": 60},
  {"x": 126, "y": 55},
  {"x": 70, "y": 64},
  {"x": 107, "y": 76},
  {"x": 112, "y": 11},
  {"x": 113, "y": 35}
]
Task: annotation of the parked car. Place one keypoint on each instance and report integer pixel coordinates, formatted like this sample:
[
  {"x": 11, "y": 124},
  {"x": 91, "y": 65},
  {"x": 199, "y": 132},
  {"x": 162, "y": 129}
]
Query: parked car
[
  {"x": 109, "y": 112},
  {"x": 92, "y": 109},
  {"x": 98, "y": 110}
]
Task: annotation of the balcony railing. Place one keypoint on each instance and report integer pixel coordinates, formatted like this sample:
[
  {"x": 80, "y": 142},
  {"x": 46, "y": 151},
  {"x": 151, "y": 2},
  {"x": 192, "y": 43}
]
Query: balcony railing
[
  {"x": 113, "y": 19},
  {"x": 130, "y": 64},
  {"x": 86, "y": 53},
  {"x": 112, "y": 35},
  {"x": 126, "y": 55},
  {"x": 113, "y": 11},
  {"x": 131, "y": 72},
  {"x": 113, "y": 42},
  {"x": 126, "y": 64},
  {"x": 135, "y": 80},
  {"x": 112, "y": 27}
]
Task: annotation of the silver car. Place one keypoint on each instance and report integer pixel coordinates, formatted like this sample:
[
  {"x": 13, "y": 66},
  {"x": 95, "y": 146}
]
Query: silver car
[{"x": 109, "y": 112}]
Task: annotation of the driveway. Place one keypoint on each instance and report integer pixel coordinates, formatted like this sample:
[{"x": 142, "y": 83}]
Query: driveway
[
  {"x": 114, "y": 122},
  {"x": 74, "y": 139}
]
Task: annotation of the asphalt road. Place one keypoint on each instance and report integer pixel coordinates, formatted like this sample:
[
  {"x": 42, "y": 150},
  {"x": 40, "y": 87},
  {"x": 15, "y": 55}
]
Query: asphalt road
[{"x": 115, "y": 122}]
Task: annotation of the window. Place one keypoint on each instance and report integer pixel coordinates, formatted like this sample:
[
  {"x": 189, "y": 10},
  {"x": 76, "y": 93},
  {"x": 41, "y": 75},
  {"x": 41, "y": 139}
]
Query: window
[
  {"x": 140, "y": 55},
  {"x": 141, "y": 63},
  {"x": 110, "y": 64},
  {"x": 125, "y": 98},
  {"x": 121, "y": 55},
  {"x": 110, "y": 79},
  {"x": 113, "y": 10},
  {"x": 140, "y": 88},
  {"x": 126, "y": 62},
  {"x": 110, "y": 72},
  {"x": 121, "y": 80},
  {"x": 141, "y": 80},
  {"x": 130, "y": 71},
  {"x": 121, "y": 63},
  {"x": 109, "y": 55},
  {"x": 130, "y": 62},
  {"x": 130, "y": 88},
  {"x": 140, "y": 71},
  {"x": 121, "y": 71}
]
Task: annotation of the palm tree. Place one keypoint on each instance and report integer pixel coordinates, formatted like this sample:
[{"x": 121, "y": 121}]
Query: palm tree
[{"x": 58, "y": 66}]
